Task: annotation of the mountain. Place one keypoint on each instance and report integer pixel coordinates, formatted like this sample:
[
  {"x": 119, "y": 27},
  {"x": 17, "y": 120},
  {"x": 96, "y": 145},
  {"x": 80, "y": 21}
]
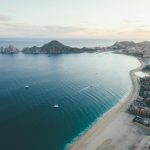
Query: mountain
[
  {"x": 130, "y": 47},
  {"x": 54, "y": 47},
  {"x": 123, "y": 45}
]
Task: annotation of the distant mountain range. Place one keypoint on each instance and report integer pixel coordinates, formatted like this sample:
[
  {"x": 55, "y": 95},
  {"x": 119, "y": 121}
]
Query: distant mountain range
[{"x": 55, "y": 47}]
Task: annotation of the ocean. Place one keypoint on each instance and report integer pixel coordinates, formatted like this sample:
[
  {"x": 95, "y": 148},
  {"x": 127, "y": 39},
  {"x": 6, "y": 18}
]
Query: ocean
[{"x": 84, "y": 86}]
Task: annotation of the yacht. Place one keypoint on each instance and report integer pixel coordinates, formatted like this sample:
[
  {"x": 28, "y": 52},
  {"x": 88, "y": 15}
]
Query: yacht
[
  {"x": 27, "y": 86},
  {"x": 56, "y": 106}
]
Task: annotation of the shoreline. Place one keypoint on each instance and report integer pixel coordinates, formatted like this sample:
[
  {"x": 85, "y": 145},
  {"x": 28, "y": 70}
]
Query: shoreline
[{"x": 91, "y": 139}]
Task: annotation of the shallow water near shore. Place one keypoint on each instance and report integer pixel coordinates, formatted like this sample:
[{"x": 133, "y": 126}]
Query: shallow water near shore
[{"x": 85, "y": 86}]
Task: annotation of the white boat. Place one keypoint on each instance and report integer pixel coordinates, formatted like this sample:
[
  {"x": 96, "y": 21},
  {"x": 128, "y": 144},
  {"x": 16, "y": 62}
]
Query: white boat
[
  {"x": 27, "y": 86},
  {"x": 56, "y": 106}
]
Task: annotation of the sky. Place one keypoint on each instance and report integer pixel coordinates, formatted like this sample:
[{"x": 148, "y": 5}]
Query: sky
[{"x": 105, "y": 19}]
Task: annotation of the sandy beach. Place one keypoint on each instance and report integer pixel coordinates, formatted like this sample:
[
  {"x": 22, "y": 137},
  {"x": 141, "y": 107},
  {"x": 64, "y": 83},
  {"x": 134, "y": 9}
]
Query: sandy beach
[{"x": 116, "y": 130}]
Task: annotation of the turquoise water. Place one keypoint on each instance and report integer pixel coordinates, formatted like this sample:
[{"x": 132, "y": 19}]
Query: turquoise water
[{"x": 85, "y": 86}]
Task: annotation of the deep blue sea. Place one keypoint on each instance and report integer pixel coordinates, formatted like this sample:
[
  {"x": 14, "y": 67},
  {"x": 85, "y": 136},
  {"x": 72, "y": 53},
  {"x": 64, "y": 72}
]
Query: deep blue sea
[{"x": 85, "y": 86}]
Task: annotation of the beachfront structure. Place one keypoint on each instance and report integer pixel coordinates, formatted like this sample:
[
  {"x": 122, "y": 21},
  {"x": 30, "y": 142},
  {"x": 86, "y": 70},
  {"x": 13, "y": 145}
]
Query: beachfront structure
[
  {"x": 146, "y": 57},
  {"x": 143, "y": 121},
  {"x": 139, "y": 110}
]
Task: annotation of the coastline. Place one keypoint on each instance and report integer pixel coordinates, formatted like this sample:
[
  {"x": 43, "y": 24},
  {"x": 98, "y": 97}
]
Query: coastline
[{"x": 101, "y": 135}]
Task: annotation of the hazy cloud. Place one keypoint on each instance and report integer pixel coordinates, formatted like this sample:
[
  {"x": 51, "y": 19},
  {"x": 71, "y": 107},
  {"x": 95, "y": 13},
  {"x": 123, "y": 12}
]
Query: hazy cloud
[
  {"x": 4, "y": 18},
  {"x": 128, "y": 29},
  {"x": 64, "y": 28},
  {"x": 27, "y": 30},
  {"x": 136, "y": 24}
]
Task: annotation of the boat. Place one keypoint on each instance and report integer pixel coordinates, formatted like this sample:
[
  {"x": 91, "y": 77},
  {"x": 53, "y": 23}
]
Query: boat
[
  {"x": 56, "y": 106},
  {"x": 27, "y": 86}
]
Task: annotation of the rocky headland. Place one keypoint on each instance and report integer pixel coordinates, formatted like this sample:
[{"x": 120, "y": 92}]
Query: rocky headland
[
  {"x": 141, "y": 49},
  {"x": 55, "y": 47},
  {"x": 9, "y": 50}
]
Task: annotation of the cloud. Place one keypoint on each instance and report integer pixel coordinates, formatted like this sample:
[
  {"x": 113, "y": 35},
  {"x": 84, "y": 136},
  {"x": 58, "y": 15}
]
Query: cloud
[
  {"x": 4, "y": 18},
  {"x": 64, "y": 28},
  {"x": 28, "y": 30},
  {"x": 136, "y": 24},
  {"x": 126, "y": 30}
]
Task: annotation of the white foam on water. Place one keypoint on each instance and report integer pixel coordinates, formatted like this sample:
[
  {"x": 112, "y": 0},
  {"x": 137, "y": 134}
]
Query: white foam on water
[{"x": 83, "y": 89}]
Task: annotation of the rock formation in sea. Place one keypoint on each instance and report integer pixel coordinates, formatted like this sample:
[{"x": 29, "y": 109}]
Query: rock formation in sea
[
  {"x": 55, "y": 47},
  {"x": 9, "y": 50}
]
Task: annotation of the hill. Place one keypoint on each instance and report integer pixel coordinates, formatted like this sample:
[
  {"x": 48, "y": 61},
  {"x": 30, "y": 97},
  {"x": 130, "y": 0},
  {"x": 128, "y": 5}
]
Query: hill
[{"x": 54, "y": 47}]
